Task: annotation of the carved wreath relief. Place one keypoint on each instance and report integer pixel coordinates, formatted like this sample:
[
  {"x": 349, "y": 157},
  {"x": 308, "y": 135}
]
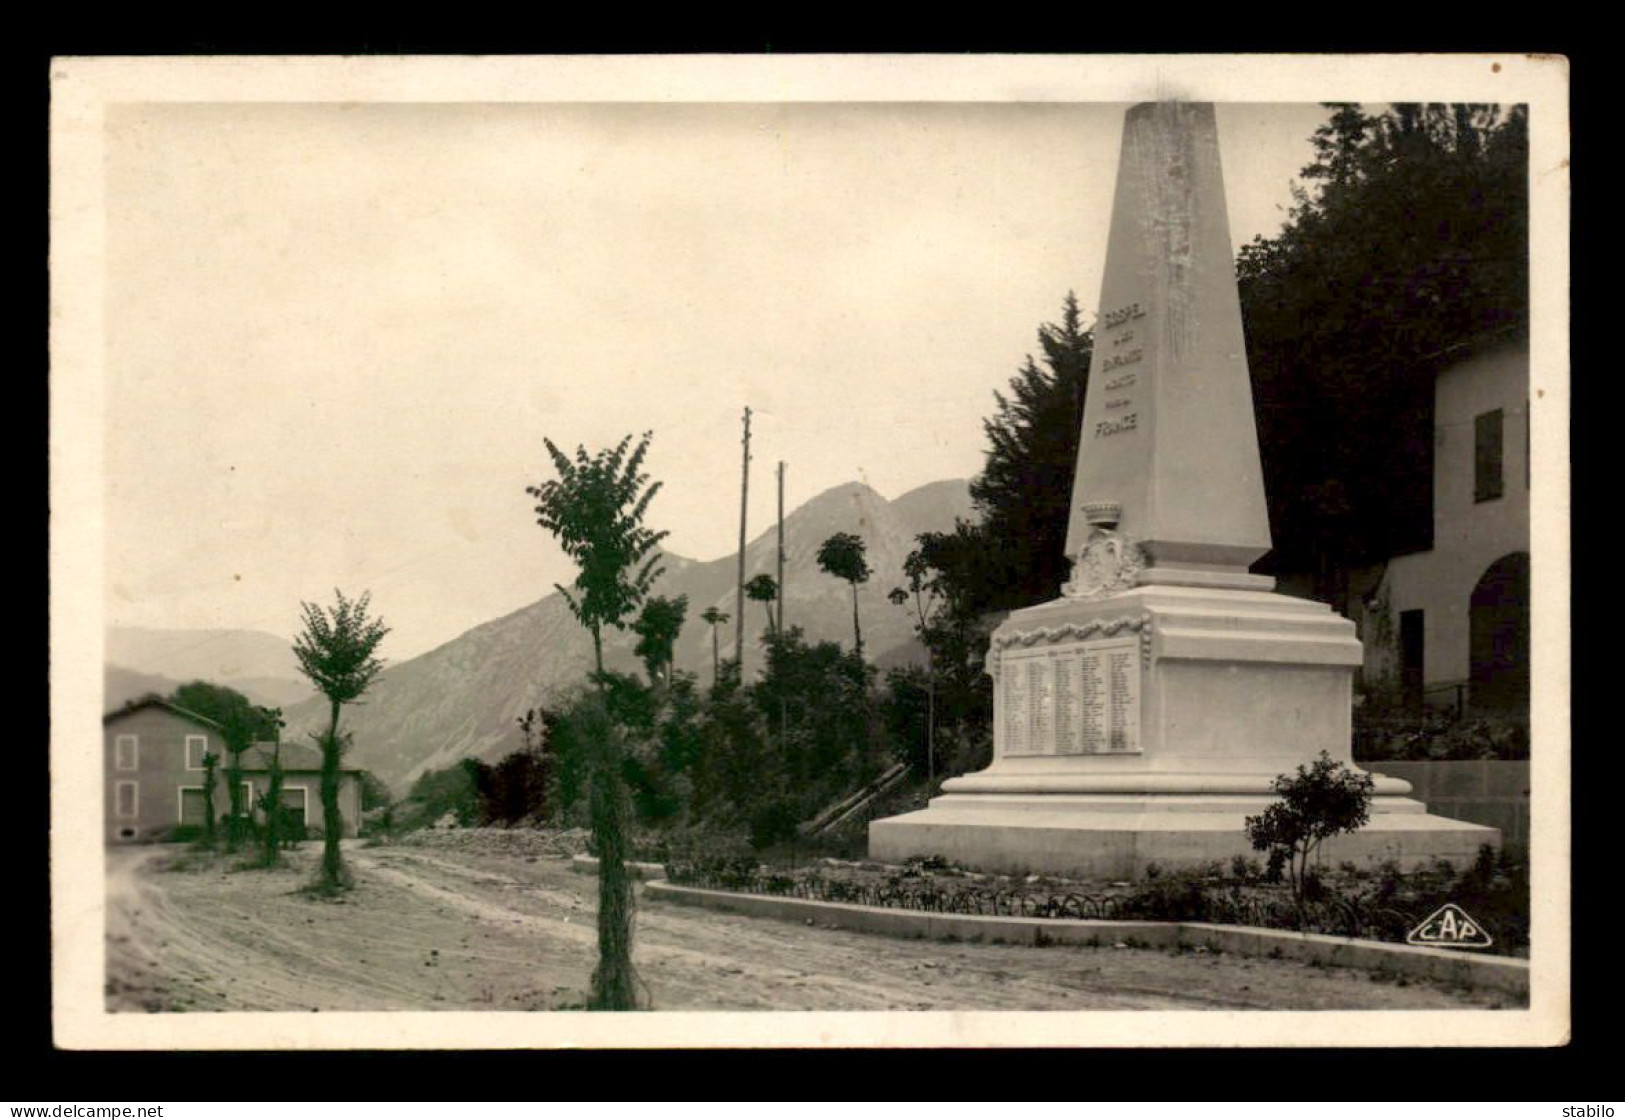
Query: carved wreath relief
[{"x": 1107, "y": 563}]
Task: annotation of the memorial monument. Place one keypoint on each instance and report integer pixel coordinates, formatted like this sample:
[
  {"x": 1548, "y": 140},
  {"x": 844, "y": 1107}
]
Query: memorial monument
[{"x": 1143, "y": 714}]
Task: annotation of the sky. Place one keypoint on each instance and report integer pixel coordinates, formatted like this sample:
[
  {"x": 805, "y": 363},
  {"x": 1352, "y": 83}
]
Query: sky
[{"x": 337, "y": 334}]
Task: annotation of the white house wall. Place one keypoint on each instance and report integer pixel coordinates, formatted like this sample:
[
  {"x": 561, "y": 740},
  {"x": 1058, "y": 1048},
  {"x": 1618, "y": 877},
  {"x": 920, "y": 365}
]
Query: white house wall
[{"x": 1468, "y": 535}]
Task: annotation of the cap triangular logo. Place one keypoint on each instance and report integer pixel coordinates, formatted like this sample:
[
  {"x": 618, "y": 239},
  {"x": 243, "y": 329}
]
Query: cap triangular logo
[{"x": 1450, "y": 927}]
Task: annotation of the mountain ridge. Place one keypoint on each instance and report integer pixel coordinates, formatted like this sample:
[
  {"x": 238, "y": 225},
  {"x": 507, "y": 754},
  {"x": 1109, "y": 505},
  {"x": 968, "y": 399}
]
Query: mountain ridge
[{"x": 256, "y": 663}]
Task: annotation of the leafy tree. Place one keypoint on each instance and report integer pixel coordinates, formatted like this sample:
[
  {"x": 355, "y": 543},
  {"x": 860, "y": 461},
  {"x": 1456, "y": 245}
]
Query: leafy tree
[
  {"x": 595, "y": 510},
  {"x": 242, "y": 724},
  {"x": 712, "y": 617},
  {"x": 438, "y": 792},
  {"x": 817, "y": 700},
  {"x": 377, "y": 804},
  {"x": 764, "y": 589},
  {"x": 524, "y": 779},
  {"x": 337, "y": 652},
  {"x": 1322, "y": 800},
  {"x": 843, "y": 556},
  {"x": 921, "y": 594},
  {"x": 963, "y": 571},
  {"x": 657, "y": 627},
  {"x": 1411, "y": 240},
  {"x": 374, "y": 793}
]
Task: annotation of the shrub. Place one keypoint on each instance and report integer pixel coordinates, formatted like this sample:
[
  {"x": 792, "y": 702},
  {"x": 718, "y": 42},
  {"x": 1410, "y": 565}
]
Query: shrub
[
  {"x": 1323, "y": 799},
  {"x": 1245, "y": 870},
  {"x": 1169, "y": 896}
]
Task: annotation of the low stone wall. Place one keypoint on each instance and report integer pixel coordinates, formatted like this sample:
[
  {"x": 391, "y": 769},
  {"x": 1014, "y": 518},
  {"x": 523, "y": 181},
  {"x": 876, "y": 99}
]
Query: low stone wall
[
  {"x": 588, "y": 865},
  {"x": 1483, "y": 791},
  {"x": 1508, "y": 974}
]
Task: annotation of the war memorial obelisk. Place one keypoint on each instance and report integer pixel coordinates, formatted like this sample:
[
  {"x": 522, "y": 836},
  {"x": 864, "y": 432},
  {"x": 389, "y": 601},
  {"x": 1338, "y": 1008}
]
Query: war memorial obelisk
[{"x": 1142, "y": 715}]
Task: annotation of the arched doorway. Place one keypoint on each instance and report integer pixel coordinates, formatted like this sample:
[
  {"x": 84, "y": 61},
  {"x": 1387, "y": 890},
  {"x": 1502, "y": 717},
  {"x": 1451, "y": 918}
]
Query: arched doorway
[{"x": 1498, "y": 641}]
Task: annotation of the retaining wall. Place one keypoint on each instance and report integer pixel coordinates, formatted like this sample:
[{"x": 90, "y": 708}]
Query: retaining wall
[
  {"x": 1481, "y": 791},
  {"x": 1509, "y": 974}
]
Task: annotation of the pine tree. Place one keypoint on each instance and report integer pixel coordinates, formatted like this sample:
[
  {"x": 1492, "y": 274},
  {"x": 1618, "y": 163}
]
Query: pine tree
[{"x": 1024, "y": 492}]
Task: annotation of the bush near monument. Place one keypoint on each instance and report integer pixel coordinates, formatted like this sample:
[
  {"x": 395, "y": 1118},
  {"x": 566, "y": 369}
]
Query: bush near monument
[{"x": 1322, "y": 800}]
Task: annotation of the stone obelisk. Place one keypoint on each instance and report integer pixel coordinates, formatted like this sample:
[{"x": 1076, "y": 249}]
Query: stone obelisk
[{"x": 1142, "y": 715}]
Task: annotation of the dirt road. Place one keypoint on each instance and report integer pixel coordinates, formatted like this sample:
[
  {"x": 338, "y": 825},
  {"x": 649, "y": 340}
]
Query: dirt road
[{"x": 448, "y": 929}]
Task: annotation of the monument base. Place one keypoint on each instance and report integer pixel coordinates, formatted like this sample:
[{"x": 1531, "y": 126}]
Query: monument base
[
  {"x": 1145, "y": 726},
  {"x": 1117, "y": 836}
]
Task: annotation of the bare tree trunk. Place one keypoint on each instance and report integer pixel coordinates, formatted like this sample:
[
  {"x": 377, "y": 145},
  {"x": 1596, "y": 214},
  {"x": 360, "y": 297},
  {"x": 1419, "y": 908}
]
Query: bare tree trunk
[
  {"x": 234, "y": 791},
  {"x": 273, "y": 809},
  {"x": 857, "y": 634},
  {"x": 779, "y": 628},
  {"x": 614, "y": 982},
  {"x": 931, "y": 730},
  {"x": 739, "y": 593},
  {"x": 210, "y": 767},
  {"x": 332, "y": 820}
]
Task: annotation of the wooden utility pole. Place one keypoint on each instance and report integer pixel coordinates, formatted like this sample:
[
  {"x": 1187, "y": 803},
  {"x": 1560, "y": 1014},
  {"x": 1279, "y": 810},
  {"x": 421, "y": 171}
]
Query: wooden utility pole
[
  {"x": 783, "y": 713},
  {"x": 739, "y": 592},
  {"x": 781, "y": 547}
]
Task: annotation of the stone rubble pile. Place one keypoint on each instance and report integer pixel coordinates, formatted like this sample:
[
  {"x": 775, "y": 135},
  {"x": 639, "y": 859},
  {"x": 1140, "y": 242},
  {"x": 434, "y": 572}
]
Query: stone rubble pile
[{"x": 517, "y": 842}]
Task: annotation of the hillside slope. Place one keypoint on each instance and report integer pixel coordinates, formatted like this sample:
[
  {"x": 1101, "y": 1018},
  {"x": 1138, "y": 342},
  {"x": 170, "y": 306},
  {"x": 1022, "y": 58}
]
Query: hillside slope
[{"x": 259, "y": 665}]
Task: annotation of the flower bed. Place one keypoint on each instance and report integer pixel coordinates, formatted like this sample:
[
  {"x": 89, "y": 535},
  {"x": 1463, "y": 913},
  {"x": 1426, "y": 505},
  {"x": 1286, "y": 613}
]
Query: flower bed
[{"x": 1383, "y": 905}]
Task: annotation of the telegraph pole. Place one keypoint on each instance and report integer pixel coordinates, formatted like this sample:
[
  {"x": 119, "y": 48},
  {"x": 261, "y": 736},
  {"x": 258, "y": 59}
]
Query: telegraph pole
[
  {"x": 781, "y": 546},
  {"x": 739, "y": 592}
]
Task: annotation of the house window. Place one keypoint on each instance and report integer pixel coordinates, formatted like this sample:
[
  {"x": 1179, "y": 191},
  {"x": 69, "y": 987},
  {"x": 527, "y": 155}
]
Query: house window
[
  {"x": 295, "y": 810},
  {"x": 127, "y": 752},
  {"x": 189, "y": 807},
  {"x": 126, "y": 799},
  {"x": 196, "y": 747},
  {"x": 1487, "y": 482}
]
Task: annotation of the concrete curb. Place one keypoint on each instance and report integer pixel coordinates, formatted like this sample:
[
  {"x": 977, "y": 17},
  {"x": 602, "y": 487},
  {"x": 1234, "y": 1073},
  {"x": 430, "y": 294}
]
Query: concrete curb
[
  {"x": 588, "y": 865},
  {"x": 1507, "y": 974}
]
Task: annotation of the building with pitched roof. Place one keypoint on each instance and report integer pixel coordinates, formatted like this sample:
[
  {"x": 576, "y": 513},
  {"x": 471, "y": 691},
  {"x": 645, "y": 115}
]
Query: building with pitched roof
[{"x": 154, "y": 774}]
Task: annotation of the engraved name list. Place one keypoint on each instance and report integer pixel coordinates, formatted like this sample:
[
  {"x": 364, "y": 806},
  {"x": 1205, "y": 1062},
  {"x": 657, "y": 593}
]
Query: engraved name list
[{"x": 1080, "y": 698}]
